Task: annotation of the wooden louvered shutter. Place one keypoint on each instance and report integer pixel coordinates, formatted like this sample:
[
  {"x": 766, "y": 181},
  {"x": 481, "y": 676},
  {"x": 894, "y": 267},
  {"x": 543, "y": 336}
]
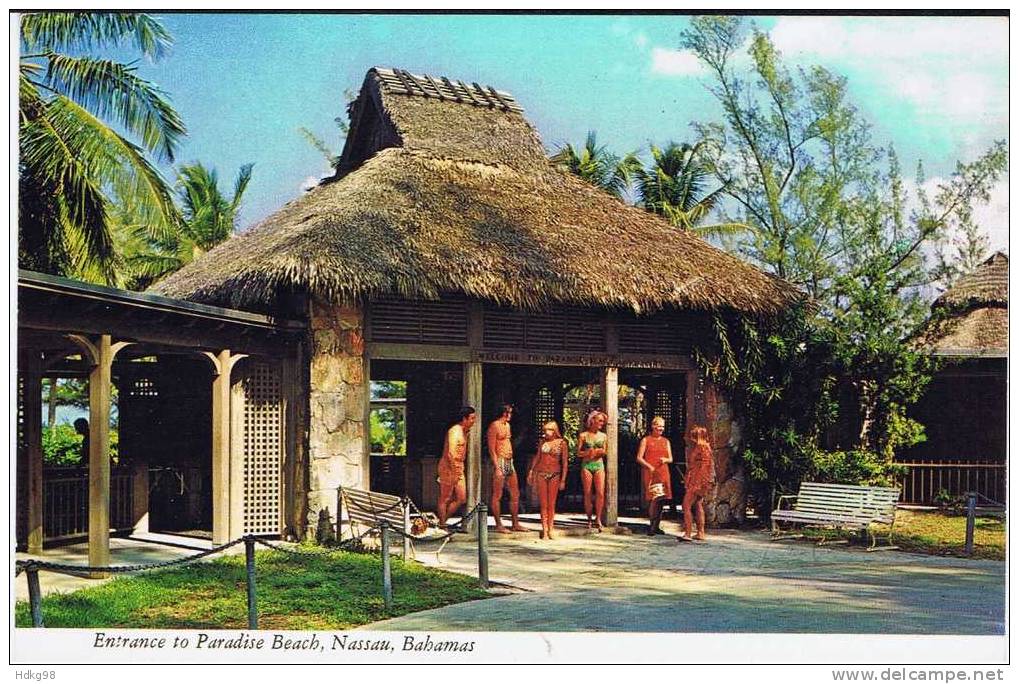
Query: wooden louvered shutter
[{"x": 419, "y": 322}]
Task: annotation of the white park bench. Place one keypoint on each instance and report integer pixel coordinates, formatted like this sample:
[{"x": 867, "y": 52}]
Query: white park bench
[
  {"x": 850, "y": 507},
  {"x": 362, "y": 506}
]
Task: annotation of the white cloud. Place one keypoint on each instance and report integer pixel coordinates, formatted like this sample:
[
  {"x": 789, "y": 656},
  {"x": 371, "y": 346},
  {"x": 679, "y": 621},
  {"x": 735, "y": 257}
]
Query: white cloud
[
  {"x": 951, "y": 70},
  {"x": 640, "y": 40},
  {"x": 675, "y": 62},
  {"x": 309, "y": 183}
]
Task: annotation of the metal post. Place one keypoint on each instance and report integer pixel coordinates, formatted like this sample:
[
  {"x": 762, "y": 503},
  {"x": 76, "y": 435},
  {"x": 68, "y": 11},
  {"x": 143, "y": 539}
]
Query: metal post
[
  {"x": 34, "y": 595},
  {"x": 387, "y": 577},
  {"x": 971, "y": 509},
  {"x": 249, "y": 558},
  {"x": 483, "y": 546},
  {"x": 406, "y": 529}
]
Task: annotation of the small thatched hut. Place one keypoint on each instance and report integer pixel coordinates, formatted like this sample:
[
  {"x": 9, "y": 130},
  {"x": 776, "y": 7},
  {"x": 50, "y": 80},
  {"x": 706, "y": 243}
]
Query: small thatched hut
[
  {"x": 449, "y": 253},
  {"x": 965, "y": 408}
]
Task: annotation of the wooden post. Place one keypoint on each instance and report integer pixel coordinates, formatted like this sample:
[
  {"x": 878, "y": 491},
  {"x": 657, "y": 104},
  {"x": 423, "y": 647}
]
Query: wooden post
[
  {"x": 366, "y": 441},
  {"x": 387, "y": 576},
  {"x": 33, "y": 440},
  {"x": 140, "y": 493},
  {"x": 236, "y": 450},
  {"x": 406, "y": 529},
  {"x": 99, "y": 384},
  {"x": 472, "y": 397},
  {"x": 222, "y": 503},
  {"x": 249, "y": 566},
  {"x": 34, "y": 594},
  {"x": 610, "y": 398},
  {"x": 971, "y": 510},
  {"x": 483, "y": 546}
]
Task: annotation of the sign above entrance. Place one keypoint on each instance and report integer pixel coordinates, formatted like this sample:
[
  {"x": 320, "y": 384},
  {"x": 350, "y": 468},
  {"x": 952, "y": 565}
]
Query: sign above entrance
[{"x": 543, "y": 358}]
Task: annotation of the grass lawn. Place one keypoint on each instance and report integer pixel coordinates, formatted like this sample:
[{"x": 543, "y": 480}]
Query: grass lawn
[
  {"x": 941, "y": 533},
  {"x": 335, "y": 591}
]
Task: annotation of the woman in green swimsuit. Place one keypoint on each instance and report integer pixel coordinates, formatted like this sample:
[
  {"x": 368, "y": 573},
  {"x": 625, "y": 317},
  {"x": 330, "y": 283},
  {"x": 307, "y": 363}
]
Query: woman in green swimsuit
[{"x": 591, "y": 449}]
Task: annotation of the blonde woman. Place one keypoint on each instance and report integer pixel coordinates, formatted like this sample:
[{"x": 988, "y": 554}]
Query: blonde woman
[
  {"x": 591, "y": 448},
  {"x": 700, "y": 479},
  {"x": 654, "y": 456},
  {"x": 547, "y": 474}
]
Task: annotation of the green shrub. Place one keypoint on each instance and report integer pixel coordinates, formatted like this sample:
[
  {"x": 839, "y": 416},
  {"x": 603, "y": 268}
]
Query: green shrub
[{"x": 61, "y": 445}]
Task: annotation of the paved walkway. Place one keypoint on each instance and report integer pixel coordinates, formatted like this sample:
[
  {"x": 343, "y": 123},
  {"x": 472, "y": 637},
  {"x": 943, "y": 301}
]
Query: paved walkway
[{"x": 735, "y": 582}]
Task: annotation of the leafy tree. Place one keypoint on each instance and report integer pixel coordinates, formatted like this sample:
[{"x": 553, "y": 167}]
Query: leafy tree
[
  {"x": 675, "y": 186},
  {"x": 208, "y": 218},
  {"x": 828, "y": 212},
  {"x": 342, "y": 124},
  {"x": 599, "y": 167},
  {"x": 72, "y": 109}
]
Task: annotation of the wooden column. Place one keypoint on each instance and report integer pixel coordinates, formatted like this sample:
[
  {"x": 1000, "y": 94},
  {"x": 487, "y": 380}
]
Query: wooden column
[
  {"x": 222, "y": 498},
  {"x": 99, "y": 383},
  {"x": 140, "y": 493},
  {"x": 366, "y": 440},
  {"x": 32, "y": 392},
  {"x": 235, "y": 497},
  {"x": 610, "y": 398},
  {"x": 472, "y": 372}
]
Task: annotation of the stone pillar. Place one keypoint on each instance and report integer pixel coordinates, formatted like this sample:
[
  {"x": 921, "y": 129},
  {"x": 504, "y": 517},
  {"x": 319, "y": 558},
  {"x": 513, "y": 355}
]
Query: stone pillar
[
  {"x": 610, "y": 398},
  {"x": 32, "y": 374},
  {"x": 708, "y": 406},
  {"x": 338, "y": 405},
  {"x": 472, "y": 396}
]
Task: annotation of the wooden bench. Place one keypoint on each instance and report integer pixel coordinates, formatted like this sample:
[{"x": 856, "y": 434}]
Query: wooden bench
[
  {"x": 358, "y": 506},
  {"x": 850, "y": 507}
]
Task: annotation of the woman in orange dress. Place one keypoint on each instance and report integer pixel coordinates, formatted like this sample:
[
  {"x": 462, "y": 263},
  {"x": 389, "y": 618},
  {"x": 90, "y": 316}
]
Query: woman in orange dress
[
  {"x": 654, "y": 456},
  {"x": 700, "y": 479},
  {"x": 548, "y": 474}
]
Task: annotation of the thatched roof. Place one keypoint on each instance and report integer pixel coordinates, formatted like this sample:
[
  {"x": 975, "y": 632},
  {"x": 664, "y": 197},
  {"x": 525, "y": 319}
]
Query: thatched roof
[
  {"x": 441, "y": 196},
  {"x": 972, "y": 315}
]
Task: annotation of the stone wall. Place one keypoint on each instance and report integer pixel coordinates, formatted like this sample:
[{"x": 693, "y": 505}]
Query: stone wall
[
  {"x": 337, "y": 395},
  {"x": 727, "y": 504}
]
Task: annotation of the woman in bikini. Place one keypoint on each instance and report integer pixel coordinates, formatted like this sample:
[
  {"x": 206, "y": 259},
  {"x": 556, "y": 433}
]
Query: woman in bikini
[
  {"x": 654, "y": 456},
  {"x": 700, "y": 478},
  {"x": 591, "y": 450},
  {"x": 547, "y": 474}
]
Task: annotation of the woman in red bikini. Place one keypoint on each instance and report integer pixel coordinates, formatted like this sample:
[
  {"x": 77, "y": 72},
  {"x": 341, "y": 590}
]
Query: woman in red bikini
[
  {"x": 654, "y": 456},
  {"x": 700, "y": 479},
  {"x": 548, "y": 474}
]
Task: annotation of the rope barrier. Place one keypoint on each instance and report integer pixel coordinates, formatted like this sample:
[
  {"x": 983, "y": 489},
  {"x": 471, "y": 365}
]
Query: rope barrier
[
  {"x": 989, "y": 500},
  {"x": 65, "y": 568}
]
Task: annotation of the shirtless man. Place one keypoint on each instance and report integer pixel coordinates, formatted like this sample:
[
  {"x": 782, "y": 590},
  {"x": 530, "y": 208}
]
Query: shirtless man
[
  {"x": 500, "y": 451},
  {"x": 452, "y": 484}
]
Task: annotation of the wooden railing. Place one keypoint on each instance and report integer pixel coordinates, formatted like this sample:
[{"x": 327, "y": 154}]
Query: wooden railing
[
  {"x": 925, "y": 479},
  {"x": 65, "y": 501}
]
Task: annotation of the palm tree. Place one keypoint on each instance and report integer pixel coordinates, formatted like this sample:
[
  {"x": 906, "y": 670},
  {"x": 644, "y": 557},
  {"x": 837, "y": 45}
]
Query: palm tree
[
  {"x": 71, "y": 107},
  {"x": 673, "y": 186},
  {"x": 208, "y": 218},
  {"x": 599, "y": 167}
]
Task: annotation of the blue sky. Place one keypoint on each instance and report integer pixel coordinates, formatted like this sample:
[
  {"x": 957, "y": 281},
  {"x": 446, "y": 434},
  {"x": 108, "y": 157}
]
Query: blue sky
[{"x": 244, "y": 83}]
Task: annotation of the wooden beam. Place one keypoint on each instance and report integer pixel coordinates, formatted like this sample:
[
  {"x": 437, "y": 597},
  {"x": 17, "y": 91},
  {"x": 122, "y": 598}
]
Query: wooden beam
[
  {"x": 610, "y": 399},
  {"x": 472, "y": 375},
  {"x": 33, "y": 440},
  {"x": 417, "y": 352}
]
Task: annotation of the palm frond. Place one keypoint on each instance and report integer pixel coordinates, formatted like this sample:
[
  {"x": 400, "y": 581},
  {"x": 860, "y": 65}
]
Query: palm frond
[
  {"x": 111, "y": 89},
  {"x": 90, "y": 30},
  {"x": 722, "y": 230},
  {"x": 240, "y": 185}
]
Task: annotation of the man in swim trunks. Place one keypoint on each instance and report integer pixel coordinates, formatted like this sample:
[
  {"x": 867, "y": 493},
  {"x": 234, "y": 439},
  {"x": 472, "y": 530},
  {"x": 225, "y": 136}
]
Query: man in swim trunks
[
  {"x": 452, "y": 483},
  {"x": 500, "y": 451}
]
